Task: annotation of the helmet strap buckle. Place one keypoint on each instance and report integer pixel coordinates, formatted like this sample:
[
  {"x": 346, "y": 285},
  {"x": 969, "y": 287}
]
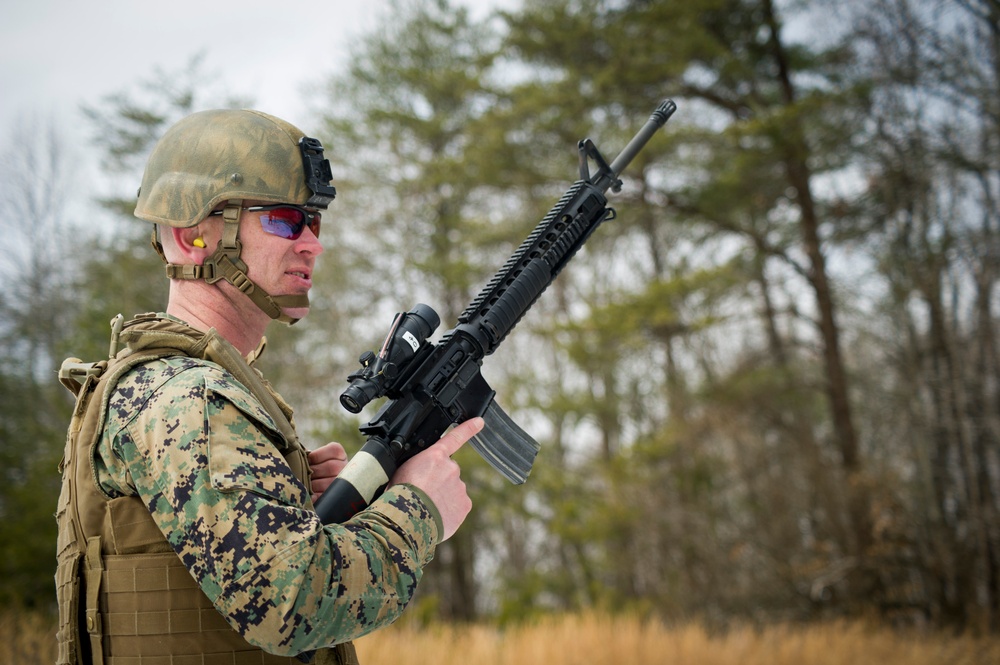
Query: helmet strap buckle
[{"x": 225, "y": 262}]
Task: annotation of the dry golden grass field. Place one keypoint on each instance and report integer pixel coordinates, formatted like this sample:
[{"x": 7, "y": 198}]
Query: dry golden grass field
[{"x": 596, "y": 639}]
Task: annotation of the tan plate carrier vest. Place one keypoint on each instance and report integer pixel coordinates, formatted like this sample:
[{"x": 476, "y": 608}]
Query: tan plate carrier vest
[{"x": 119, "y": 584}]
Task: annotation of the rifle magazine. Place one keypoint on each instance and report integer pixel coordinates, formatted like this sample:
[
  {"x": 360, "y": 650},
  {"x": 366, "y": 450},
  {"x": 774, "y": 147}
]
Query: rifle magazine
[{"x": 505, "y": 446}]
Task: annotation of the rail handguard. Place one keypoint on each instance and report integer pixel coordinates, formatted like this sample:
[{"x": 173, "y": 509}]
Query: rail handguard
[{"x": 431, "y": 386}]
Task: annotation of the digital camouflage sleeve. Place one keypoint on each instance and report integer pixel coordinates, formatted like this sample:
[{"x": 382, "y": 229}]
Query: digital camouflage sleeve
[{"x": 203, "y": 456}]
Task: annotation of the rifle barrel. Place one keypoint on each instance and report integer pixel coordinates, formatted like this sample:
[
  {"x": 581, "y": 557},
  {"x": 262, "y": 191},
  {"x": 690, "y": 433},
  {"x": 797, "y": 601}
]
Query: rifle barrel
[{"x": 659, "y": 117}]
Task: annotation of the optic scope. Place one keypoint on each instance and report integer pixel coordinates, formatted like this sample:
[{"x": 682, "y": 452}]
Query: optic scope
[{"x": 378, "y": 371}]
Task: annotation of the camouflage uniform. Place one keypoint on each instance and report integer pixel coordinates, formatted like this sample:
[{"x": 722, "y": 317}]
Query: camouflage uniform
[{"x": 214, "y": 469}]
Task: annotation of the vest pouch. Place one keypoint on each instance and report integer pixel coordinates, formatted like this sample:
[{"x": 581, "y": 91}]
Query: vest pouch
[
  {"x": 68, "y": 597},
  {"x": 69, "y": 560},
  {"x": 154, "y": 613}
]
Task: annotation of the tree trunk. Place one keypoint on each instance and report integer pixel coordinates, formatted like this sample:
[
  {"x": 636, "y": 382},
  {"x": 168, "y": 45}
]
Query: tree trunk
[{"x": 799, "y": 177}]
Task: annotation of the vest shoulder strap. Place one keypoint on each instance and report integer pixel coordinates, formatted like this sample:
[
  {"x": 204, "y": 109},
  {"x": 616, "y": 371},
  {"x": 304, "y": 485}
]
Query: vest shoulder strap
[{"x": 149, "y": 337}]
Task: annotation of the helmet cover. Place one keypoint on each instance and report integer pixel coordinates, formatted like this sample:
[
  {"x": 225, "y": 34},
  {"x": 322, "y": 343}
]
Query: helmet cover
[{"x": 213, "y": 156}]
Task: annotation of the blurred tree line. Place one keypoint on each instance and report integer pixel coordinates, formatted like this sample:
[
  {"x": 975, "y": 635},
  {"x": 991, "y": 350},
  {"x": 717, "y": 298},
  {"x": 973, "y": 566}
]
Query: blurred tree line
[{"x": 769, "y": 390}]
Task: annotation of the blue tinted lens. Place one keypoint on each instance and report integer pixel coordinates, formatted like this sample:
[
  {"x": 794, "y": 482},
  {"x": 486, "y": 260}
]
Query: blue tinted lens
[
  {"x": 287, "y": 221},
  {"x": 283, "y": 222}
]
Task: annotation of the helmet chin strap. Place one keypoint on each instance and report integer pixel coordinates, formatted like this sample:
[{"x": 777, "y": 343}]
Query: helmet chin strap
[{"x": 225, "y": 263}]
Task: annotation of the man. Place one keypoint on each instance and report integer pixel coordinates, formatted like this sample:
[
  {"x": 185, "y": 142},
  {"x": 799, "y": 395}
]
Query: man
[{"x": 186, "y": 527}]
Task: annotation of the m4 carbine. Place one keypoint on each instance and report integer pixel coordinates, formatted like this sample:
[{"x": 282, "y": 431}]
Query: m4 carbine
[{"x": 431, "y": 386}]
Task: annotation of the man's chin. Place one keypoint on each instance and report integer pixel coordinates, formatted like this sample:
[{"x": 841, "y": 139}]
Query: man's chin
[{"x": 295, "y": 312}]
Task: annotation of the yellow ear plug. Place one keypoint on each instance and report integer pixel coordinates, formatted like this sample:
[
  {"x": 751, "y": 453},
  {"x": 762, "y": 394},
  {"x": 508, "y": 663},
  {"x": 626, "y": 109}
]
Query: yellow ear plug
[{"x": 198, "y": 242}]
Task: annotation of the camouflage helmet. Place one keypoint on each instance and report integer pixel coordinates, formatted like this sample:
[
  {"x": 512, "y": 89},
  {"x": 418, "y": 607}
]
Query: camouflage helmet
[{"x": 214, "y": 156}]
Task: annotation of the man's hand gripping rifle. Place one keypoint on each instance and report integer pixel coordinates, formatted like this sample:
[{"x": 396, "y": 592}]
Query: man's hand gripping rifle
[{"x": 432, "y": 386}]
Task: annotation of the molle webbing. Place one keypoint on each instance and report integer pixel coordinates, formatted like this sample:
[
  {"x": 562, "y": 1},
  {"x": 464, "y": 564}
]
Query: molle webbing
[{"x": 154, "y": 597}]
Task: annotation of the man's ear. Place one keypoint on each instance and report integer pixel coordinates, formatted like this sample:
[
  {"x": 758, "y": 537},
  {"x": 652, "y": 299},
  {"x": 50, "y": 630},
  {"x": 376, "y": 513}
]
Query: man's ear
[{"x": 191, "y": 243}]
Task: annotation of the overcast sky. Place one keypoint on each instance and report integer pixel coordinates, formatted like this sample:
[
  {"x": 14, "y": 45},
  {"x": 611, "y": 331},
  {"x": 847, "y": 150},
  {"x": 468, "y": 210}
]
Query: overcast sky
[{"x": 58, "y": 54}]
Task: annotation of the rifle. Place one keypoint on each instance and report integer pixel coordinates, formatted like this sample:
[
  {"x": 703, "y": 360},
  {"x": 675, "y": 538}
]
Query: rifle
[{"x": 432, "y": 386}]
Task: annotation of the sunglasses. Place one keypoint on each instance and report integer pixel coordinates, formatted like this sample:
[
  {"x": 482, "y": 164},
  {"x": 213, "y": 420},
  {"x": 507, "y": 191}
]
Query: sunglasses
[{"x": 284, "y": 220}]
